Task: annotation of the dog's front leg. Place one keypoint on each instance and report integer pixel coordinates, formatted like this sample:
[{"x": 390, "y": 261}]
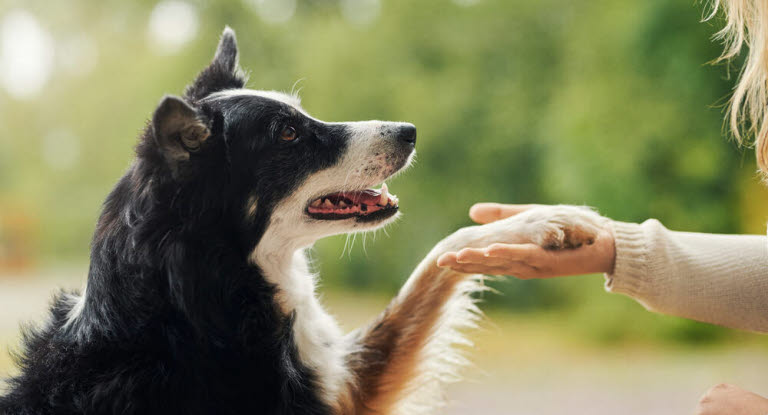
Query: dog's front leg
[{"x": 402, "y": 360}]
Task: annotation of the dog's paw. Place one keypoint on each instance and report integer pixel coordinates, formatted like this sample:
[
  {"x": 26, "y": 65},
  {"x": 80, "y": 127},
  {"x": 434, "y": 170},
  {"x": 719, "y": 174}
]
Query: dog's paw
[
  {"x": 551, "y": 227},
  {"x": 558, "y": 227}
]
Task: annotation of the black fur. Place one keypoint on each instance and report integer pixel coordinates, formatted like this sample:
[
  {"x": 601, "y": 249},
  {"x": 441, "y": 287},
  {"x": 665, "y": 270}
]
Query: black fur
[
  {"x": 223, "y": 73},
  {"x": 176, "y": 320}
]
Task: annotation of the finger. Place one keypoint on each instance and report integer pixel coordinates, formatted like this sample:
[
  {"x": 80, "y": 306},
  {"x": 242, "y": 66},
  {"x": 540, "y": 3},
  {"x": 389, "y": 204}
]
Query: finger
[
  {"x": 480, "y": 256},
  {"x": 533, "y": 261},
  {"x": 490, "y": 266},
  {"x": 471, "y": 255},
  {"x": 553, "y": 263},
  {"x": 515, "y": 252},
  {"x": 447, "y": 259},
  {"x": 517, "y": 270},
  {"x": 491, "y": 212},
  {"x": 479, "y": 269}
]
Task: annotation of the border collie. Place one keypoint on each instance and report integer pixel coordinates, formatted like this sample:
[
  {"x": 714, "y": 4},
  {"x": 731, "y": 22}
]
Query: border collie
[{"x": 199, "y": 297}]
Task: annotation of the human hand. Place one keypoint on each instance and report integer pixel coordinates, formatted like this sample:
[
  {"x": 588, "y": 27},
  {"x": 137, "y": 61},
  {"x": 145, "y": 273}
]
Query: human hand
[
  {"x": 727, "y": 399},
  {"x": 535, "y": 241}
]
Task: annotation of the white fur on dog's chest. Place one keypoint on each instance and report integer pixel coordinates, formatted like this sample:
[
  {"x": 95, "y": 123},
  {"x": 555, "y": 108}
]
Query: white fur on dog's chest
[{"x": 318, "y": 338}]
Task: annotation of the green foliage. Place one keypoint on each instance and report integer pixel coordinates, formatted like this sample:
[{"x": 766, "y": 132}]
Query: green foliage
[{"x": 606, "y": 103}]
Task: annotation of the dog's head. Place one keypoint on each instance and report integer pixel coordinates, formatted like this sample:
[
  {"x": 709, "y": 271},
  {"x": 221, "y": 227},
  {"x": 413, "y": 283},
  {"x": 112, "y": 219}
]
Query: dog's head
[{"x": 273, "y": 164}]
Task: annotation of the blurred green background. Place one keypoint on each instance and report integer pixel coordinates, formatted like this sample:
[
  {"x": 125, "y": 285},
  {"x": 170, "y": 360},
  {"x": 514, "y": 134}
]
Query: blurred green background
[{"x": 606, "y": 103}]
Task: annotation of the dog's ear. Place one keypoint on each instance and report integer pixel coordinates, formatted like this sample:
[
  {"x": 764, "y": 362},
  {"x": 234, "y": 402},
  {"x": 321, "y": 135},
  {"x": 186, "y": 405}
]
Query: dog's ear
[
  {"x": 178, "y": 130},
  {"x": 223, "y": 73}
]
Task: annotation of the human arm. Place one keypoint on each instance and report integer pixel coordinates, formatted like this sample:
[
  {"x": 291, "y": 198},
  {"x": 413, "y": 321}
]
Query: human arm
[{"x": 720, "y": 279}]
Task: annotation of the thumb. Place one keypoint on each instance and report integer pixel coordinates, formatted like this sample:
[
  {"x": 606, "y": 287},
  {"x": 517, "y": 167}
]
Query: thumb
[{"x": 491, "y": 212}]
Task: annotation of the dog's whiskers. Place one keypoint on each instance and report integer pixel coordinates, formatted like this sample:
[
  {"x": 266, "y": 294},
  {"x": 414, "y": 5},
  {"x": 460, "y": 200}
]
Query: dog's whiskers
[{"x": 346, "y": 243}]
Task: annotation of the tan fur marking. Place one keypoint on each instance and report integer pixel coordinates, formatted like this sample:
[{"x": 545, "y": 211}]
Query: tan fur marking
[
  {"x": 390, "y": 348},
  {"x": 577, "y": 236},
  {"x": 346, "y": 403}
]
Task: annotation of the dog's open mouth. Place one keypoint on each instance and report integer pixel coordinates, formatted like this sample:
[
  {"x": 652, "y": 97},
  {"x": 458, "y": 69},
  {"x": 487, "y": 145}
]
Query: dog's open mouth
[{"x": 368, "y": 204}]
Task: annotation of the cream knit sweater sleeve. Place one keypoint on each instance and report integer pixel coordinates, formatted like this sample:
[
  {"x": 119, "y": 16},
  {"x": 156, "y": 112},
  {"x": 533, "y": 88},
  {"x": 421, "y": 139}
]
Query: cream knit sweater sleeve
[{"x": 720, "y": 279}]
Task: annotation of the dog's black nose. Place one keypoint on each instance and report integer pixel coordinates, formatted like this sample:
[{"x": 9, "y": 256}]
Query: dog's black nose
[{"x": 407, "y": 134}]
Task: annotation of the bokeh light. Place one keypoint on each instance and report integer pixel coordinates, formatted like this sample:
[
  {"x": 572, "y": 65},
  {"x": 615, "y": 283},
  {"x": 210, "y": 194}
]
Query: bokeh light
[
  {"x": 360, "y": 12},
  {"x": 274, "y": 11},
  {"x": 172, "y": 24},
  {"x": 466, "y": 3},
  {"x": 26, "y": 54}
]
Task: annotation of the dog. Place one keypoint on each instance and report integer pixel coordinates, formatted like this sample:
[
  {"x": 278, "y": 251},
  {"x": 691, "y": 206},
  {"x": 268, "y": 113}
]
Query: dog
[{"x": 199, "y": 298}]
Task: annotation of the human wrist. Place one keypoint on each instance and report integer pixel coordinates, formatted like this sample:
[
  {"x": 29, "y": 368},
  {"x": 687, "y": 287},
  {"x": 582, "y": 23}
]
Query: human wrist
[{"x": 606, "y": 250}]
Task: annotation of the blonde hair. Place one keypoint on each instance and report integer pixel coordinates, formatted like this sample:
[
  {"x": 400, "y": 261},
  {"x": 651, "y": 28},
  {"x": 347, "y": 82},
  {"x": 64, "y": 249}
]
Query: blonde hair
[{"x": 747, "y": 24}]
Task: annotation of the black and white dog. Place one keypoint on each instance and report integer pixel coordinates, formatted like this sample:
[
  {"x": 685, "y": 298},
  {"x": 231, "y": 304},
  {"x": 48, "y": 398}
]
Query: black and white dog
[{"x": 199, "y": 299}]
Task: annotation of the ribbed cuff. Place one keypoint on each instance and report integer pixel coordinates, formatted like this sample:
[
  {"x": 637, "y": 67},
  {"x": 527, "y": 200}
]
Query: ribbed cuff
[{"x": 630, "y": 271}]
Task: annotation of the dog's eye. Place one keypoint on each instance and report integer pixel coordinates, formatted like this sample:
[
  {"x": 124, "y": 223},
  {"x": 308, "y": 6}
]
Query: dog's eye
[{"x": 288, "y": 134}]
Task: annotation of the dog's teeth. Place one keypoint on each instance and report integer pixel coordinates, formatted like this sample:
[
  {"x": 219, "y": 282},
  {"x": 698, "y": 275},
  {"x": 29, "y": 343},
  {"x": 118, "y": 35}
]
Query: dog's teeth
[
  {"x": 384, "y": 195},
  {"x": 342, "y": 204},
  {"x": 316, "y": 203},
  {"x": 393, "y": 200},
  {"x": 328, "y": 204}
]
